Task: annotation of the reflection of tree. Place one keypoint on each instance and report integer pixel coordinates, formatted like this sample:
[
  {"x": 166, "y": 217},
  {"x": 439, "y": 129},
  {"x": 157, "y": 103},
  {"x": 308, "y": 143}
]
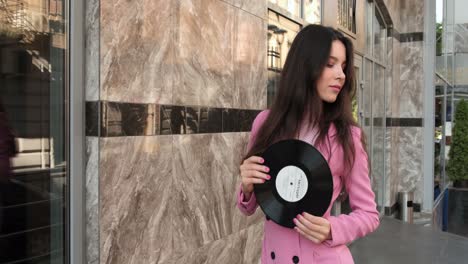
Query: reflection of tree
[
  {"x": 192, "y": 120},
  {"x": 439, "y": 30},
  {"x": 355, "y": 109},
  {"x": 177, "y": 120}
]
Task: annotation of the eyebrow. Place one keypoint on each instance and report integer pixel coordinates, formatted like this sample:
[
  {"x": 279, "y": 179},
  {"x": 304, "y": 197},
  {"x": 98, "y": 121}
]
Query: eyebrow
[{"x": 336, "y": 59}]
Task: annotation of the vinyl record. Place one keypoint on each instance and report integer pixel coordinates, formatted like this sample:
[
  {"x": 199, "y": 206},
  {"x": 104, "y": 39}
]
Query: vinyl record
[{"x": 301, "y": 181}]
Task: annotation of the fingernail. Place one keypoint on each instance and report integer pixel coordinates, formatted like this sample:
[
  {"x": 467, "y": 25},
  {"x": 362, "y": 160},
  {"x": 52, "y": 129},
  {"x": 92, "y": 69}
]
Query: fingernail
[
  {"x": 268, "y": 177},
  {"x": 262, "y": 160},
  {"x": 267, "y": 169},
  {"x": 295, "y": 221},
  {"x": 298, "y": 216}
]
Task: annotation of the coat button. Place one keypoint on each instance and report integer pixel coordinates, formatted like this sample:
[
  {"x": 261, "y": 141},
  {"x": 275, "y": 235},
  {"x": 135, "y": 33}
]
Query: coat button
[
  {"x": 295, "y": 259},
  {"x": 272, "y": 255}
]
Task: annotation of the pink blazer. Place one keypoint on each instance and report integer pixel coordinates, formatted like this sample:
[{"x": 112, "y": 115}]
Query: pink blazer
[{"x": 284, "y": 245}]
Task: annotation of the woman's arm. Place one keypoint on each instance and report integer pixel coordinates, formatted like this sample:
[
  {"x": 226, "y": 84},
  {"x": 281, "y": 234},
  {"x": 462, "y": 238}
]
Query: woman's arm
[
  {"x": 247, "y": 204},
  {"x": 364, "y": 217}
]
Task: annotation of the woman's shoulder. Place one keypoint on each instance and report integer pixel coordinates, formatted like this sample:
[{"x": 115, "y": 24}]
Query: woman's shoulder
[
  {"x": 262, "y": 115},
  {"x": 260, "y": 118},
  {"x": 356, "y": 131}
]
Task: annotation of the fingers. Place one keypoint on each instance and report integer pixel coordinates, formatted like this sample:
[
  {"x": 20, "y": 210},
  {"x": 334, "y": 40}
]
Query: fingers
[
  {"x": 317, "y": 229},
  {"x": 256, "y": 167},
  {"x": 251, "y": 168},
  {"x": 315, "y": 219},
  {"x": 311, "y": 238},
  {"x": 255, "y": 159},
  {"x": 253, "y": 172},
  {"x": 253, "y": 181}
]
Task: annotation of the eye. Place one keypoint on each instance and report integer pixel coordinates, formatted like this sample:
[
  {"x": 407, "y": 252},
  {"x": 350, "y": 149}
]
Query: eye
[{"x": 330, "y": 65}]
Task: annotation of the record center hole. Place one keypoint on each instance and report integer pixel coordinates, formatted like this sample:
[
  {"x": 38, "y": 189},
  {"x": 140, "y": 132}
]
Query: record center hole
[{"x": 291, "y": 183}]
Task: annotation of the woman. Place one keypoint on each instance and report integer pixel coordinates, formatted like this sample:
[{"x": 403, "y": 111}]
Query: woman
[{"x": 313, "y": 104}]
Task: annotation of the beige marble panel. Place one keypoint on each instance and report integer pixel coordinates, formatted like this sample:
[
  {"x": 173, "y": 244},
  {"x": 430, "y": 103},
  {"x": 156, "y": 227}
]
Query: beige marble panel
[
  {"x": 92, "y": 50},
  {"x": 204, "y": 54},
  {"x": 410, "y": 163},
  {"x": 136, "y": 199},
  {"x": 250, "y": 61},
  {"x": 137, "y": 51},
  {"x": 206, "y": 177},
  {"x": 411, "y": 16},
  {"x": 411, "y": 83},
  {"x": 407, "y": 15},
  {"x": 241, "y": 247},
  {"x": 255, "y": 7},
  {"x": 92, "y": 200},
  {"x": 406, "y": 162}
]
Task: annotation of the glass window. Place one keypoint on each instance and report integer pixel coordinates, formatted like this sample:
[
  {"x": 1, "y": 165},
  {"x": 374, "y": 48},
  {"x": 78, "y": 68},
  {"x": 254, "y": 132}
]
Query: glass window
[
  {"x": 373, "y": 101},
  {"x": 369, "y": 30},
  {"x": 33, "y": 130},
  {"x": 379, "y": 36},
  {"x": 312, "y": 11},
  {"x": 378, "y": 131},
  {"x": 281, "y": 33},
  {"x": 347, "y": 14}
]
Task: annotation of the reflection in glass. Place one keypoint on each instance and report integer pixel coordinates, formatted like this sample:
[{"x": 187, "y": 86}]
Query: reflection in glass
[
  {"x": 32, "y": 77},
  {"x": 439, "y": 135},
  {"x": 378, "y": 131},
  {"x": 378, "y": 29},
  {"x": 369, "y": 30},
  {"x": 312, "y": 11}
]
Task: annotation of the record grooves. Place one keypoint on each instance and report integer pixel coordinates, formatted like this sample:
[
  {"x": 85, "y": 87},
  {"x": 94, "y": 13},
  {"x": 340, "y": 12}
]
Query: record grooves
[{"x": 301, "y": 181}]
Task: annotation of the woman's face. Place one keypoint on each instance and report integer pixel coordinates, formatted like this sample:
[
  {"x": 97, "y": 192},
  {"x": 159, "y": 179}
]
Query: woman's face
[{"x": 332, "y": 79}]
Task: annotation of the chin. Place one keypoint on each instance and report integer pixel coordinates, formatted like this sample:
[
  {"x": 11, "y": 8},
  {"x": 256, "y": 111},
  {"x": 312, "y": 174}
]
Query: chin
[{"x": 329, "y": 100}]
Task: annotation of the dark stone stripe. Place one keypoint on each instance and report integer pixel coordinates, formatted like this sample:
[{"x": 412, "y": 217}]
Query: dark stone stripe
[
  {"x": 404, "y": 122},
  {"x": 406, "y": 37},
  {"x": 412, "y": 37},
  {"x": 395, "y": 122},
  {"x": 394, "y": 33},
  {"x": 133, "y": 119},
  {"x": 92, "y": 119}
]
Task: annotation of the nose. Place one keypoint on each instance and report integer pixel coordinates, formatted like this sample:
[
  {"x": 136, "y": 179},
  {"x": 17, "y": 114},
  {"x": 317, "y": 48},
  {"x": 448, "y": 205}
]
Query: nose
[{"x": 340, "y": 73}]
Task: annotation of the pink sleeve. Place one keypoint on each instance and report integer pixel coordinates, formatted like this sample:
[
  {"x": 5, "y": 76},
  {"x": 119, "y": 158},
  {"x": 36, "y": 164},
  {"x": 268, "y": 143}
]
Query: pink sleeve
[
  {"x": 364, "y": 217},
  {"x": 248, "y": 207}
]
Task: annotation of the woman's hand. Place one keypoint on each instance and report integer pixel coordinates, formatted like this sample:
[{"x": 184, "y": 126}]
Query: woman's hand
[
  {"x": 316, "y": 229},
  {"x": 252, "y": 172}
]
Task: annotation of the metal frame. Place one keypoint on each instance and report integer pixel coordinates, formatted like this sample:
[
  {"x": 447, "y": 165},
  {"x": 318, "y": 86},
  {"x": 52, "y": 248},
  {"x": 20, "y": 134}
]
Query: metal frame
[
  {"x": 428, "y": 106},
  {"x": 76, "y": 179},
  {"x": 370, "y": 57}
]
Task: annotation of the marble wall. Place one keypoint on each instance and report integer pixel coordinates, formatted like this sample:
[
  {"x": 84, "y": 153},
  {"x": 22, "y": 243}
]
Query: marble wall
[
  {"x": 161, "y": 192},
  {"x": 405, "y": 93},
  {"x": 172, "y": 88}
]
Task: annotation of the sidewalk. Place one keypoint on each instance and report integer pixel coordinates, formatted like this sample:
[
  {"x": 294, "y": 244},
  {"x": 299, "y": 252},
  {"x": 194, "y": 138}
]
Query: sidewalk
[{"x": 399, "y": 242}]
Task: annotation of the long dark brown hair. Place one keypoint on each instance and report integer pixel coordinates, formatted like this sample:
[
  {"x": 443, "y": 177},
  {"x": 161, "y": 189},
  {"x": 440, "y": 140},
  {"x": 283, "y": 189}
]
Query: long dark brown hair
[{"x": 297, "y": 94}]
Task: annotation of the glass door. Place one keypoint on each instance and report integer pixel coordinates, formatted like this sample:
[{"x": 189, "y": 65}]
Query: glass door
[{"x": 34, "y": 124}]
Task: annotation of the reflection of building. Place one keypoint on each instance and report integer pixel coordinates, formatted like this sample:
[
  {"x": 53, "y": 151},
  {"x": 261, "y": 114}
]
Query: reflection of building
[
  {"x": 171, "y": 89},
  {"x": 32, "y": 49}
]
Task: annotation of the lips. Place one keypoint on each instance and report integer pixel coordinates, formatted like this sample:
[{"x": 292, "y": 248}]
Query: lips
[{"x": 336, "y": 87}]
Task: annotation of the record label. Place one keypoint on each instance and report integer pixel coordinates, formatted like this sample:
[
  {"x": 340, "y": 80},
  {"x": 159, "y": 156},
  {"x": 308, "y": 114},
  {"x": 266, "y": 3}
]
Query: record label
[{"x": 291, "y": 183}]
